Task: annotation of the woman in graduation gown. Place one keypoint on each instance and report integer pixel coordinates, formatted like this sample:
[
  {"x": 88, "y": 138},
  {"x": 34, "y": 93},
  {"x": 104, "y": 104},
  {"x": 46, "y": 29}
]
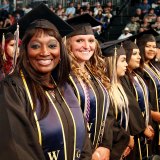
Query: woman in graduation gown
[
  {"x": 89, "y": 82},
  {"x": 7, "y": 47},
  {"x": 40, "y": 116},
  {"x": 147, "y": 45},
  {"x": 140, "y": 90},
  {"x": 116, "y": 67}
]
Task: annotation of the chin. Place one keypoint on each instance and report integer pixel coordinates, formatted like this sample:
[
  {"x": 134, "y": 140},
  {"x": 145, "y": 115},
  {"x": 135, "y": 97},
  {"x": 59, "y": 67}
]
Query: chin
[{"x": 122, "y": 74}]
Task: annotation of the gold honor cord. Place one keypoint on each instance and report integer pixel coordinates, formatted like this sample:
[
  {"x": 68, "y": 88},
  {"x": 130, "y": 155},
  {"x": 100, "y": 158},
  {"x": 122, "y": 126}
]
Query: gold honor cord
[
  {"x": 155, "y": 71},
  {"x": 139, "y": 146},
  {"x": 74, "y": 123},
  {"x": 141, "y": 80},
  {"x": 77, "y": 92},
  {"x": 155, "y": 91},
  {"x": 32, "y": 106},
  {"x": 145, "y": 95},
  {"x": 147, "y": 149},
  {"x": 154, "y": 85},
  {"x": 49, "y": 97},
  {"x": 102, "y": 112}
]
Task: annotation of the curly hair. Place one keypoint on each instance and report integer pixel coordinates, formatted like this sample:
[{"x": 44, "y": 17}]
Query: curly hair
[{"x": 96, "y": 65}]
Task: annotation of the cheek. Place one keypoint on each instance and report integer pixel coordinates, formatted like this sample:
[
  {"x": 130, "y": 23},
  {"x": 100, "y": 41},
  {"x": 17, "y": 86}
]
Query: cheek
[
  {"x": 31, "y": 54},
  {"x": 93, "y": 47},
  {"x": 146, "y": 50},
  {"x": 57, "y": 54},
  {"x": 75, "y": 47},
  {"x": 119, "y": 65},
  {"x": 9, "y": 50},
  {"x": 119, "y": 71}
]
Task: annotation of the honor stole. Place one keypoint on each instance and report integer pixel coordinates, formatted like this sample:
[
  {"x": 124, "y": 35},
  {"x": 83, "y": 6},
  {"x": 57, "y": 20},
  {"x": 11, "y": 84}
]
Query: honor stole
[
  {"x": 155, "y": 77},
  {"x": 51, "y": 129},
  {"x": 99, "y": 105}
]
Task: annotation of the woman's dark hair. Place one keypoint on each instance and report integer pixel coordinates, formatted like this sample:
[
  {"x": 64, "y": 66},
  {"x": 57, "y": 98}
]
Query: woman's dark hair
[
  {"x": 141, "y": 43},
  {"x": 37, "y": 81},
  {"x": 129, "y": 46}
]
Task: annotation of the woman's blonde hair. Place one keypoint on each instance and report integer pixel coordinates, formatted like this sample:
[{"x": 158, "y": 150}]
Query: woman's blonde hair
[
  {"x": 96, "y": 65},
  {"x": 117, "y": 94}
]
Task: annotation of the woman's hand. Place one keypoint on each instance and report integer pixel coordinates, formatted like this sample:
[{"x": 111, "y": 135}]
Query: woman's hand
[
  {"x": 126, "y": 152},
  {"x": 149, "y": 132},
  {"x": 101, "y": 153},
  {"x": 129, "y": 147},
  {"x": 131, "y": 142},
  {"x": 155, "y": 116}
]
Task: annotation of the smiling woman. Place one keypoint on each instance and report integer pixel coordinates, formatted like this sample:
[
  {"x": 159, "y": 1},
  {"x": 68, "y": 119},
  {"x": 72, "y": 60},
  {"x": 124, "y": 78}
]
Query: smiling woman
[
  {"x": 43, "y": 52},
  {"x": 140, "y": 91},
  {"x": 147, "y": 46},
  {"x": 89, "y": 82},
  {"x": 42, "y": 115},
  {"x": 7, "y": 48}
]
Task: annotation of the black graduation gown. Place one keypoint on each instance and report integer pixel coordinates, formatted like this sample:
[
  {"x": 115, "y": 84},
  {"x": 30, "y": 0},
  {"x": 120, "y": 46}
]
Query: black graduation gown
[
  {"x": 19, "y": 134},
  {"x": 99, "y": 104},
  {"x": 114, "y": 137},
  {"x": 119, "y": 137},
  {"x": 137, "y": 121},
  {"x": 154, "y": 105}
]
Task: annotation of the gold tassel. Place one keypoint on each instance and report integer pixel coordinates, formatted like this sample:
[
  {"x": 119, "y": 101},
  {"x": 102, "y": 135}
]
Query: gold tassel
[
  {"x": 135, "y": 41},
  {"x": 114, "y": 78},
  {"x": 64, "y": 40},
  {"x": 3, "y": 48},
  {"x": 16, "y": 38}
]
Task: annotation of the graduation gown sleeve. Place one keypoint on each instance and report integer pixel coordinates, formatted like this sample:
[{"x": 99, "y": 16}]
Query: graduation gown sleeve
[{"x": 18, "y": 135}]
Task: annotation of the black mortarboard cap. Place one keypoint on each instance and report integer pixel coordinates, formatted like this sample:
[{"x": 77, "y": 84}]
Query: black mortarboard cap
[
  {"x": 7, "y": 35},
  {"x": 158, "y": 38},
  {"x": 147, "y": 32},
  {"x": 83, "y": 24},
  {"x": 42, "y": 17},
  {"x": 2, "y": 31},
  {"x": 108, "y": 48},
  {"x": 129, "y": 45},
  {"x": 158, "y": 45}
]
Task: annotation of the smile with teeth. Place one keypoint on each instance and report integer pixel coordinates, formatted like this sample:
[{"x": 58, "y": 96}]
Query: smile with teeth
[
  {"x": 44, "y": 61},
  {"x": 85, "y": 52}
]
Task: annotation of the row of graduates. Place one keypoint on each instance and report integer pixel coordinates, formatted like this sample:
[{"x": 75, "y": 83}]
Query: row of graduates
[{"x": 76, "y": 101}]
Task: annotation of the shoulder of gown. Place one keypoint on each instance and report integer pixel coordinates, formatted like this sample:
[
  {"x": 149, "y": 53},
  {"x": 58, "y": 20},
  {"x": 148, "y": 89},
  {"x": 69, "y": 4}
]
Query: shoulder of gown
[{"x": 18, "y": 135}]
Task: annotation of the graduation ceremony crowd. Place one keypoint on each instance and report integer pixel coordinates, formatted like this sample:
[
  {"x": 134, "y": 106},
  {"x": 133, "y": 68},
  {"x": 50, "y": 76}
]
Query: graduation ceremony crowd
[{"x": 64, "y": 95}]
